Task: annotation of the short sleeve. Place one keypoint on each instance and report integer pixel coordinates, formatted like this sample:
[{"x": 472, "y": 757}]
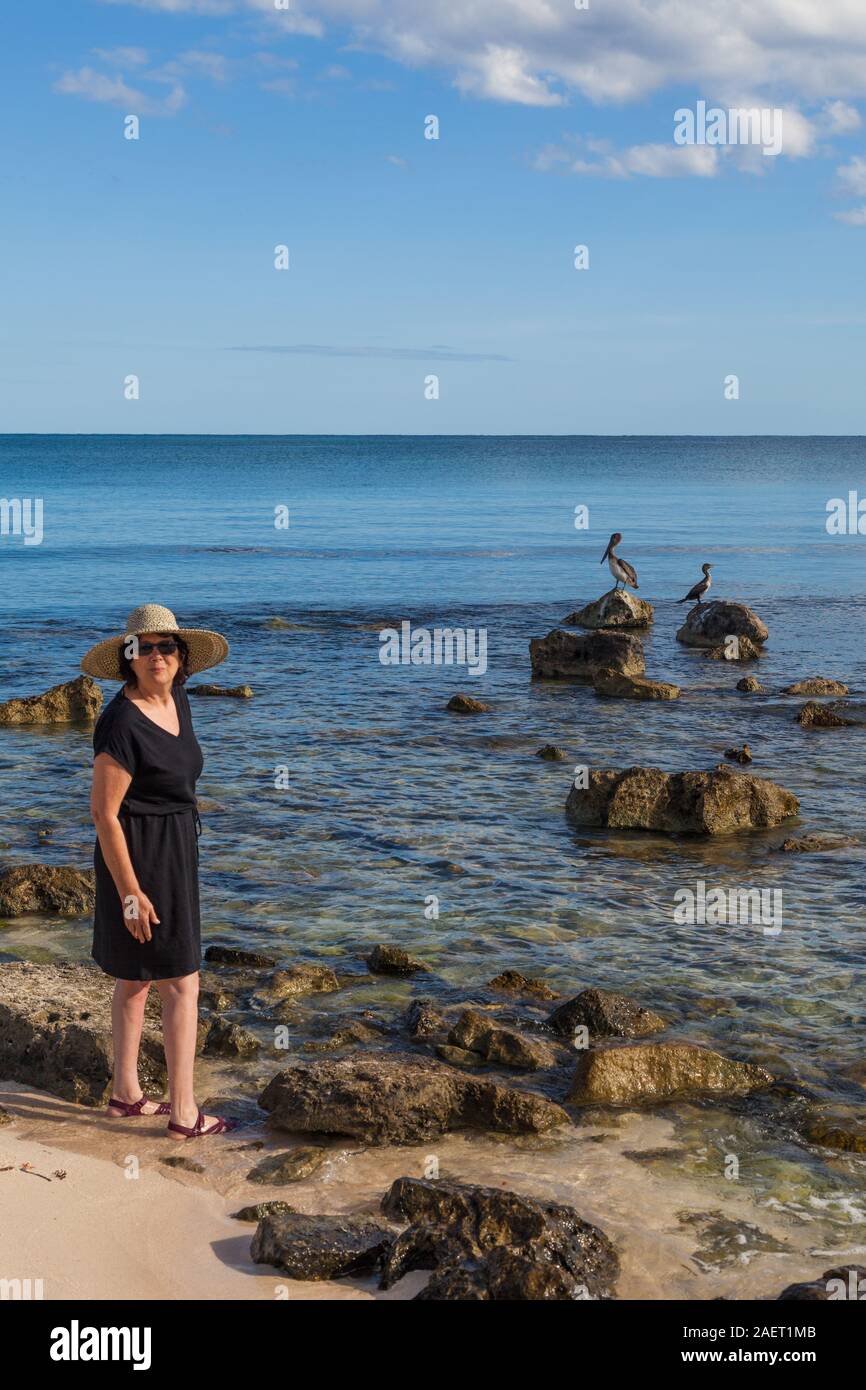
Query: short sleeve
[{"x": 113, "y": 737}]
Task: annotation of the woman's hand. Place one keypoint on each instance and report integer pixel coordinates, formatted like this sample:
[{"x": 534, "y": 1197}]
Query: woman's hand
[{"x": 138, "y": 914}]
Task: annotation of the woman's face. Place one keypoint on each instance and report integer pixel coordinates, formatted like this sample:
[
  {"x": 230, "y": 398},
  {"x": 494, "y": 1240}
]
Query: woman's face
[{"x": 153, "y": 667}]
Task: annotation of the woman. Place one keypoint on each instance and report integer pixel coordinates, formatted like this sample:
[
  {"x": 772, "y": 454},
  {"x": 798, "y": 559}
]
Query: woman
[{"x": 146, "y": 926}]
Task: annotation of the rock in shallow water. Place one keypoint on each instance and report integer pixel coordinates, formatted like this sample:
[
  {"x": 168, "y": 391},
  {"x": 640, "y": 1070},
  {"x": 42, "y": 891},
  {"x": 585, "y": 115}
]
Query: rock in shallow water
[
  {"x": 622, "y": 1073},
  {"x": 839, "y": 1284},
  {"x": 235, "y": 692},
  {"x": 567, "y": 656},
  {"x": 605, "y": 1015},
  {"x": 619, "y": 687},
  {"x": 484, "y": 1243},
  {"x": 392, "y": 960},
  {"x": 816, "y": 685},
  {"x": 400, "y": 1098},
  {"x": 704, "y": 803},
  {"x": 80, "y": 699},
  {"x": 616, "y": 609},
  {"x": 512, "y": 982},
  {"x": 46, "y": 888},
  {"x": 815, "y": 716},
  {"x": 709, "y": 625},
  {"x": 750, "y": 684},
  {"x": 466, "y": 704}
]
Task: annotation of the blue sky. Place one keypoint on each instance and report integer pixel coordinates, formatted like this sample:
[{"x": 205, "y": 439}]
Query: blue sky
[{"x": 410, "y": 256}]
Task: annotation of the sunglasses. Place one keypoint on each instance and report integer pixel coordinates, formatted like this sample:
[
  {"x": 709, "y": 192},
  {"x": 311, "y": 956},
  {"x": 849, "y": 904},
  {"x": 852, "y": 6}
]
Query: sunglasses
[{"x": 164, "y": 648}]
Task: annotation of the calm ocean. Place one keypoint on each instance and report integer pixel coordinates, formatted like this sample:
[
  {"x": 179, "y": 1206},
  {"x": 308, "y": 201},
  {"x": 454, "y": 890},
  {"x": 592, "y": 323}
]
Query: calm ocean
[{"x": 391, "y": 799}]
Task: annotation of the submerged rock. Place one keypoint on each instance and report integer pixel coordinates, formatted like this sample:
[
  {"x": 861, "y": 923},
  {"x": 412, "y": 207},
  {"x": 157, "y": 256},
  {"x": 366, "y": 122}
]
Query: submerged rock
[
  {"x": 68, "y": 703},
  {"x": 567, "y": 656},
  {"x": 551, "y": 753},
  {"x": 751, "y": 684},
  {"x": 399, "y": 1098},
  {"x": 705, "y": 803},
  {"x": 421, "y": 1019},
  {"x": 816, "y": 685},
  {"x": 466, "y": 704},
  {"x": 46, "y": 888},
  {"x": 709, "y": 625},
  {"x": 739, "y": 755},
  {"x": 616, "y": 609},
  {"x": 620, "y": 687},
  {"x": 815, "y": 716},
  {"x": 393, "y": 960},
  {"x": 487, "y": 1243},
  {"x": 815, "y": 844},
  {"x": 55, "y": 1032},
  {"x": 837, "y": 1132},
  {"x": 278, "y": 1169},
  {"x": 296, "y": 980},
  {"x": 235, "y": 692},
  {"x": 605, "y": 1015},
  {"x": 621, "y": 1073},
  {"x": 231, "y": 955},
  {"x": 319, "y": 1247},
  {"x": 512, "y": 982}
]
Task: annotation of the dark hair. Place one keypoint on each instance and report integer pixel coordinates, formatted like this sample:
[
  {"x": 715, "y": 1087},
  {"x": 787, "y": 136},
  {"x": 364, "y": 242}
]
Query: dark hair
[{"x": 181, "y": 673}]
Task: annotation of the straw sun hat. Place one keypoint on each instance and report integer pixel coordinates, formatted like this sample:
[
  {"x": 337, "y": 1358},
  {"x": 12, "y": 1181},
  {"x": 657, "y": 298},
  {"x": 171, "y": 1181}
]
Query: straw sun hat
[{"x": 205, "y": 648}]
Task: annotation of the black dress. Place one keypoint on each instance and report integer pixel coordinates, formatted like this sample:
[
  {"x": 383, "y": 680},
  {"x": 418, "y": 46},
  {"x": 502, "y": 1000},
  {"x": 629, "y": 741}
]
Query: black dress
[{"x": 161, "y": 824}]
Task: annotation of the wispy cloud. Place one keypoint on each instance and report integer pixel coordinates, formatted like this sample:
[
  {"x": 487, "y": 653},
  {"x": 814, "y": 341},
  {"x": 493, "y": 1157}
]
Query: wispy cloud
[
  {"x": 597, "y": 158},
  {"x": 397, "y": 160},
  {"x": 113, "y": 91},
  {"x": 429, "y": 354},
  {"x": 123, "y": 57}
]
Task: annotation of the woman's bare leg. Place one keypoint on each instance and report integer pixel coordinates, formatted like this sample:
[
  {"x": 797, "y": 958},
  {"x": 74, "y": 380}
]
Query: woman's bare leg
[
  {"x": 180, "y": 1025},
  {"x": 127, "y": 1020}
]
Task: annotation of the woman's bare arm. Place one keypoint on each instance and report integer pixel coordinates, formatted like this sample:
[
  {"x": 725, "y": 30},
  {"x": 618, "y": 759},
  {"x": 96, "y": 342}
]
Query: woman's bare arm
[{"x": 110, "y": 785}]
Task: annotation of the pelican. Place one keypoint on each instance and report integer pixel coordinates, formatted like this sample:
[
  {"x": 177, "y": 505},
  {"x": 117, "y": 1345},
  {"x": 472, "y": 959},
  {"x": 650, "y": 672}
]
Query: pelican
[
  {"x": 700, "y": 588},
  {"x": 619, "y": 568}
]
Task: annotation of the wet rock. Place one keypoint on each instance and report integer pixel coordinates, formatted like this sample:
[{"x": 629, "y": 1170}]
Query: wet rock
[
  {"x": 399, "y": 1098},
  {"x": 226, "y": 1039},
  {"x": 349, "y": 1035},
  {"x": 68, "y": 703},
  {"x": 230, "y": 955},
  {"x": 393, "y": 960},
  {"x": 717, "y": 802},
  {"x": 421, "y": 1019},
  {"x": 837, "y": 1132},
  {"x": 188, "y": 1165},
  {"x": 235, "y": 692},
  {"x": 835, "y": 1285},
  {"x": 46, "y": 888},
  {"x": 278, "y": 1169},
  {"x": 815, "y": 716},
  {"x": 485, "y": 1243},
  {"x": 620, "y": 687},
  {"x": 261, "y": 1209},
  {"x": 296, "y": 980},
  {"x": 319, "y": 1247},
  {"x": 567, "y": 656},
  {"x": 621, "y": 1073},
  {"x": 744, "y": 649},
  {"x": 460, "y": 1056},
  {"x": 816, "y": 685},
  {"x": 551, "y": 753},
  {"x": 751, "y": 684},
  {"x": 616, "y": 609},
  {"x": 512, "y": 982},
  {"x": 466, "y": 704},
  {"x": 739, "y": 755},
  {"x": 55, "y": 1032},
  {"x": 605, "y": 1015},
  {"x": 709, "y": 625},
  {"x": 509, "y": 1048},
  {"x": 216, "y": 999},
  {"x": 815, "y": 844}
]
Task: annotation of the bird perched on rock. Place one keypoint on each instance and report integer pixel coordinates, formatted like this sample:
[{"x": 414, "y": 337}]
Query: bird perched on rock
[
  {"x": 621, "y": 570},
  {"x": 700, "y": 588}
]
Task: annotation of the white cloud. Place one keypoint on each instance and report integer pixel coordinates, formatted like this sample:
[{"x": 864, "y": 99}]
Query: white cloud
[
  {"x": 501, "y": 74},
  {"x": 852, "y": 176},
  {"x": 650, "y": 161},
  {"x": 95, "y": 86},
  {"x": 123, "y": 57},
  {"x": 855, "y": 217}
]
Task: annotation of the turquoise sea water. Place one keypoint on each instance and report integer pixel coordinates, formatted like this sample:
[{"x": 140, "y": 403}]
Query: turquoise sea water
[{"x": 390, "y": 799}]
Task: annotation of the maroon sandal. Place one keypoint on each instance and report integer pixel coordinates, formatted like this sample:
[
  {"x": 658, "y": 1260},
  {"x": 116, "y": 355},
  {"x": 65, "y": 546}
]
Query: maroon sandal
[
  {"x": 130, "y": 1111},
  {"x": 220, "y": 1126}
]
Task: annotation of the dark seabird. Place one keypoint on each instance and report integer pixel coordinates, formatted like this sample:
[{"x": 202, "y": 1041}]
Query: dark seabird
[
  {"x": 619, "y": 568},
  {"x": 700, "y": 588}
]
